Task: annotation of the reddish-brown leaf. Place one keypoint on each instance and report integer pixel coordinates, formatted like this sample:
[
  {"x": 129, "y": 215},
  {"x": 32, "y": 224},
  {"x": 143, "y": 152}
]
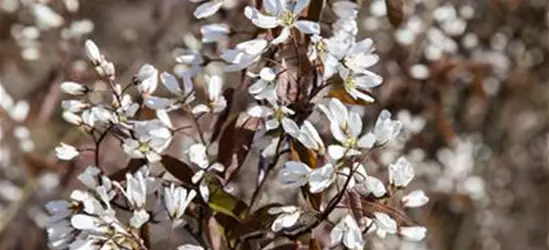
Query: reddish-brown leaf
[
  {"x": 355, "y": 204},
  {"x": 234, "y": 145},
  {"x": 131, "y": 167},
  {"x": 258, "y": 221},
  {"x": 345, "y": 97},
  {"x": 315, "y": 10},
  {"x": 314, "y": 245},
  {"x": 303, "y": 154},
  {"x": 370, "y": 207},
  {"x": 395, "y": 11},
  {"x": 178, "y": 169}
]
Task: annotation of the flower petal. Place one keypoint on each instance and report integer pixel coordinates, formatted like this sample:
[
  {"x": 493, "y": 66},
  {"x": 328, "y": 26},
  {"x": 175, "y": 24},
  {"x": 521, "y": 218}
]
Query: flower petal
[
  {"x": 308, "y": 27},
  {"x": 207, "y": 9}
]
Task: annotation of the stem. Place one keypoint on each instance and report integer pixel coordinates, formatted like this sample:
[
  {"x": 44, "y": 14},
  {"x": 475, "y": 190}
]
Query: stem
[
  {"x": 197, "y": 127},
  {"x": 333, "y": 203},
  {"x": 271, "y": 165},
  {"x": 98, "y": 145}
]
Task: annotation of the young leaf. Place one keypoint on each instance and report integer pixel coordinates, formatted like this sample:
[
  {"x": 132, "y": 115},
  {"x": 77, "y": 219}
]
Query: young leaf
[
  {"x": 223, "y": 202},
  {"x": 258, "y": 221}
]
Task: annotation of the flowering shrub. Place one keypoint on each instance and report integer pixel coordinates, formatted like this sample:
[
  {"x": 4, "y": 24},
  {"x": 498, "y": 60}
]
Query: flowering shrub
[{"x": 299, "y": 75}]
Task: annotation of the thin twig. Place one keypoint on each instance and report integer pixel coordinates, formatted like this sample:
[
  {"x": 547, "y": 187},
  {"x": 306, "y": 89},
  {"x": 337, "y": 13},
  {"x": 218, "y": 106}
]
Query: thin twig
[{"x": 268, "y": 170}]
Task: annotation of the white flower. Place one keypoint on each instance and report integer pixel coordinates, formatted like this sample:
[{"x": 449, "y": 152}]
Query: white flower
[
  {"x": 264, "y": 87},
  {"x": 275, "y": 114},
  {"x": 90, "y": 177},
  {"x": 287, "y": 217},
  {"x": 282, "y": 13},
  {"x": 183, "y": 96},
  {"x": 89, "y": 223},
  {"x": 216, "y": 100},
  {"x": 177, "y": 199},
  {"x": 147, "y": 79},
  {"x": 307, "y": 134},
  {"x": 401, "y": 173},
  {"x": 74, "y": 88},
  {"x": 384, "y": 224},
  {"x": 60, "y": 233},
  {"x": 416, "y": 198},
  {"x": 416, "y": 233},
  {"x": 102, "y": 66},
  {"x": 19, "y": 111},
  {"x": 136, "y": 189},
  {"x": 66, "y": 152},
  {"x": 197, "y": 155},
  {"x": 358, "y": 56},
  {"x": 297, "y": 174},
  {"x": 189, "y": 56},
  {"x": 46, "y": 18},
  {"x": 189, "y": 247},
  {"x": 345, "y": 9},
  {"x": 60, "y": 208},
  {"x": 207, "y": 9},
  {"x": 126, "y": 110},
  {"x": 385, "y": 128},
  {"x": 294, "y": 173},
  {"x": 321, "y": 178},
  {"x": 204, "y": 191},
  {"x": 74, "y": 106},
  {"x": 356, "y": 84},
  {"x": 244, "y": 54},
  {"x": 214, "y": 32},
  {"x": 152, "y": 138},
  {"x": 346, "y": 128},
  {"x": 139, "y": 218},
  {"x": 367, "y": 184},
  {"x": 316, "y": 49},
  {"x": 375, "y": 186},
  {"x": 346, "y": 231},
  {"x": 412, "y": 123}
]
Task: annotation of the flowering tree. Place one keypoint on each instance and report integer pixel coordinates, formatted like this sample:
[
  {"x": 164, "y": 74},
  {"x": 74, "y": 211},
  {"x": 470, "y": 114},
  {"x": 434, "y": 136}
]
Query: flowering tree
[{"x": 301, "y": 73}]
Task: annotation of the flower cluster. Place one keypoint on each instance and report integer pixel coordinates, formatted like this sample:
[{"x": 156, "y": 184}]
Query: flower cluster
[{"x": 320, "y": 83}]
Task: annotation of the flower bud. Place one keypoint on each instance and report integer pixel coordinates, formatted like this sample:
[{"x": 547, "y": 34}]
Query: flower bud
[
  {"x": 72, "y": 118},
  {"x": 93, "y": 53},
  {"x": 73, "y": 88},
  {"x": 66, "y": 152}
]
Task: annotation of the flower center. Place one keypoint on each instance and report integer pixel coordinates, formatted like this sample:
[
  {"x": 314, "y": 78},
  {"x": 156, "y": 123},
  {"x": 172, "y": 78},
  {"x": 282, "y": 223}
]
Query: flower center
[
  {"x": 349, "y": 82},
  {"x": 287, "y": 19},
  {"x": 348, "y": 60},
  {"x": 144, "y": 147},
  {"x": 320, "y": 46},
  {"x": 350, "y": 142},
  {"x": 279, "y": 114}
]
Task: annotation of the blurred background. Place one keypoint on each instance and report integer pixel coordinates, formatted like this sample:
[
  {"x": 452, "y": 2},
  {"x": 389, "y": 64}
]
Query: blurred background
[{"x": 468, "y": 78}]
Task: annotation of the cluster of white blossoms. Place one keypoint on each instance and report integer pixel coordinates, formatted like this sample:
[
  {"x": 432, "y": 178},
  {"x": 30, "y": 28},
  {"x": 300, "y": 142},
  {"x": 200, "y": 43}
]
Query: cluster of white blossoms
[
  {"x": 46, "y": 18},
  {"x": 333, "y": 166}
]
